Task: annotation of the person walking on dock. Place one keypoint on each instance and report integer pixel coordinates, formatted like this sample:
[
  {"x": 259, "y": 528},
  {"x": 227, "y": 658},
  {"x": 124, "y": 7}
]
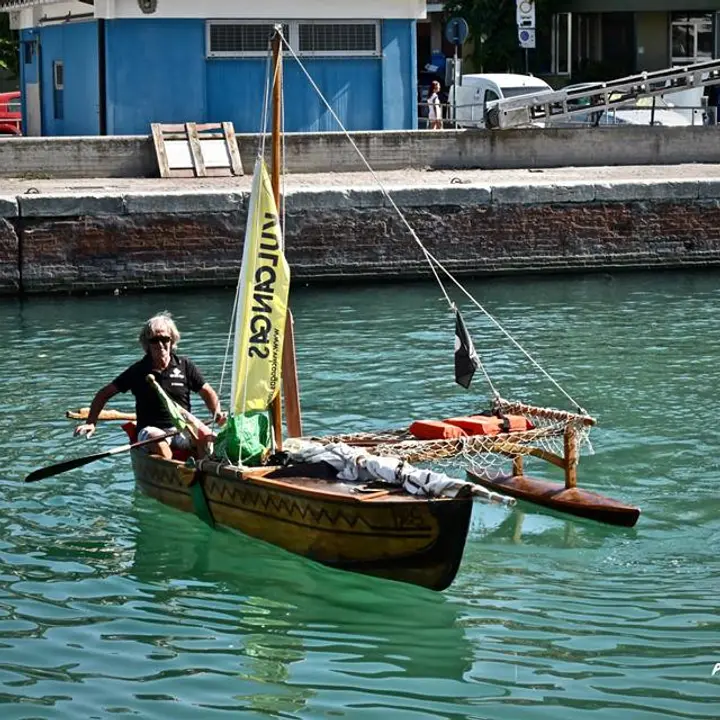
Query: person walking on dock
[{"x": 435, "y": 113}]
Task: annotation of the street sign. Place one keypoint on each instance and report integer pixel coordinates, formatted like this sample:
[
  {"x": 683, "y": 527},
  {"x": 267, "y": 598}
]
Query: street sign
[
  {"x": 456, "y": 30},
  {"x": 526, "y": 36},
  {"x": 525, "y": 13}
]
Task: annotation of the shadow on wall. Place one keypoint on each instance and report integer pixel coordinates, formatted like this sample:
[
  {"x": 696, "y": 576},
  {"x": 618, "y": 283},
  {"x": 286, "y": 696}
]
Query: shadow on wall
[{"x": 8, "y": 81}]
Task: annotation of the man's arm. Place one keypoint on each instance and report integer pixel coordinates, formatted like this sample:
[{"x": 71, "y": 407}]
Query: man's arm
[
  {"x": 98, "y": 403},
  {"x": 212, "y": 402}
]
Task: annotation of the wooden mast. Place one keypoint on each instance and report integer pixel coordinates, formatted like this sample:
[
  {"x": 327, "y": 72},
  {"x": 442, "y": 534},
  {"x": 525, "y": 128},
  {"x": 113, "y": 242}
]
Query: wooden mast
[{"x": 289, "y": 366}]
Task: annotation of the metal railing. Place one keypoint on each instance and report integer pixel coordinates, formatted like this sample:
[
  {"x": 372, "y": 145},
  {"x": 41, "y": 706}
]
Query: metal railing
[
  {"x": 696, "y": 115},
  {"x": 521, "y": 110}
]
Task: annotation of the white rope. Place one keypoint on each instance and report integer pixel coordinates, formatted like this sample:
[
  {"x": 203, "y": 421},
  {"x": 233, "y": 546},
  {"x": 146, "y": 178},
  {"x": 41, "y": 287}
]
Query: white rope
[{"x": 433, "y": 262}]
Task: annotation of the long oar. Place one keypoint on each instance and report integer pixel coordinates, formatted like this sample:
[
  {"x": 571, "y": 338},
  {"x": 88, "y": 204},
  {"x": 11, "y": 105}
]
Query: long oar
[{"x": 62, "y": 467}]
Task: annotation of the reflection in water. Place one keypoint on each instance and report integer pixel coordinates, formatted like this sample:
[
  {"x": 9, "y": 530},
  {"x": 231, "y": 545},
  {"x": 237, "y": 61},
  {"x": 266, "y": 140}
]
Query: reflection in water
[
  {"x": 296, "y": 607},
  {"x": 528, "y": 525}
]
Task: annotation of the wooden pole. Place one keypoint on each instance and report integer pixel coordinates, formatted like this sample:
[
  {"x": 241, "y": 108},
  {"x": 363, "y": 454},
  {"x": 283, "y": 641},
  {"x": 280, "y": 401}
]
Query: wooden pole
[
  {"x": 291, "y": 389},
  {"x": 276, "y": 159},
  {"x": 571, "y": 457},
  {"x": 289, "y": 366},
  {"x": 517, "y": 466}
]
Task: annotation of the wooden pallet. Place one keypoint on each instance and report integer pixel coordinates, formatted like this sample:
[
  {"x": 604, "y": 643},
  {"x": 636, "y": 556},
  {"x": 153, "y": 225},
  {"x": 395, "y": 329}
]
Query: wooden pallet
[{"x": 196, "y": 150}]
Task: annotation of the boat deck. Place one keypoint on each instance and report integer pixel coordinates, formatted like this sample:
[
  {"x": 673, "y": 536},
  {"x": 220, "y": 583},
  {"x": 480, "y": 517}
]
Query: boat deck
[{"x": 317, "y": 479}]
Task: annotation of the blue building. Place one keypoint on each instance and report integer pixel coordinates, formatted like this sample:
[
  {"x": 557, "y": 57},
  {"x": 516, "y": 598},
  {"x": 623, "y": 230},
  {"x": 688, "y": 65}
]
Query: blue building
[{"x": 115, "y": 66}]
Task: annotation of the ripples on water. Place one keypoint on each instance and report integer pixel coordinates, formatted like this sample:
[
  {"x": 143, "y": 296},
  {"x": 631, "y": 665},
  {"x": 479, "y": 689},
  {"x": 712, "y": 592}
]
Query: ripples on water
[{"x": 112, "y": 604}]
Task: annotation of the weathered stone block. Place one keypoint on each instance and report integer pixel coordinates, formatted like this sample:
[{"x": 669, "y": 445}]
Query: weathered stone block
[
  {"x": 709, "y": 189},
  {"x": 532, "y": 194},
  {"x": 647, "y": 190},
  {"x": 70, "y": 205},
  {"x": 8, "y": 207},
  {"x": 9, "y": 253},
  {"x": 183, "y": 203}
]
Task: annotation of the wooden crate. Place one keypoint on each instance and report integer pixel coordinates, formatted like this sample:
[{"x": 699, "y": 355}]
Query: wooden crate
[{"x": 196, "y": 150}]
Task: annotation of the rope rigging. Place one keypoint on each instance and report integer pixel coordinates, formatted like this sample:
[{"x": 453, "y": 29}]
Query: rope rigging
[{"x": 434, "y": 264}]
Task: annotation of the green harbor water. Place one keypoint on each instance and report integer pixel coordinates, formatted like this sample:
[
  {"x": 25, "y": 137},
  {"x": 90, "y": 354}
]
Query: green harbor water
[{"x": 113, "y": 605}]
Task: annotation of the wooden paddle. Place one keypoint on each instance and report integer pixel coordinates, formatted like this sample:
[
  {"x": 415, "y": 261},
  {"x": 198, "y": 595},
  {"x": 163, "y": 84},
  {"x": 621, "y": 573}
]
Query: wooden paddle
[
  {"x": 82, "y": 414},
  {"x": 62, "y": 467}
]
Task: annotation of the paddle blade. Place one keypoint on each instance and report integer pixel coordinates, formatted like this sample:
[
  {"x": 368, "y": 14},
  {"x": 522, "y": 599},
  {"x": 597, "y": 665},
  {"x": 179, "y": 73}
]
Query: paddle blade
[
  {"x": 50, "y": 470},
  {"x": 62, "y": 467}
]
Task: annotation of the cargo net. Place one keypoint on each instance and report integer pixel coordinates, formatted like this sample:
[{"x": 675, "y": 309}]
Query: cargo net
[{"x": 489, "y": 454}]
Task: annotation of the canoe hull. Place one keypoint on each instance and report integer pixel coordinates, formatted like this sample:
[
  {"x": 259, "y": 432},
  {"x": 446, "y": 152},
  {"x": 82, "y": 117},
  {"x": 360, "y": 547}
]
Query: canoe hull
[
  {"x": 394, "y": 536},
  {"x": 575, "y": 501}
]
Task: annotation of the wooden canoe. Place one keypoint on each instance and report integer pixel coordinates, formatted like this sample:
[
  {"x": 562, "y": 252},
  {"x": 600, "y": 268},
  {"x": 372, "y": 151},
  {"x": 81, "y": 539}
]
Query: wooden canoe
[
  {"x": 573, "y": 500},
  {"x": 390, "y": 534}
]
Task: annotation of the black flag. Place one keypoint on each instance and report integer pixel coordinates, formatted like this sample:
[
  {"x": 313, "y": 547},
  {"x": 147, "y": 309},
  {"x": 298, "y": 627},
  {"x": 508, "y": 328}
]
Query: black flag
[{"x": 466, "y": 359}]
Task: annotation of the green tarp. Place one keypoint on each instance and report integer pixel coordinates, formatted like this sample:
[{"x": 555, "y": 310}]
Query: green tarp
[{"x": 244, "y": 439}]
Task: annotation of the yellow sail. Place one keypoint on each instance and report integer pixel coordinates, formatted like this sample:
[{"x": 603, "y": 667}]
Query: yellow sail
[{"x": 262, "y": 303}]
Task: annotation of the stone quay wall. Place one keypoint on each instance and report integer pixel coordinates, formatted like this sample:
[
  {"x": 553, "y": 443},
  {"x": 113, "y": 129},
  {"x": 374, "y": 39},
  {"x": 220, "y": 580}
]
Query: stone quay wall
[
  {"x": 133, "y": 156},
  {"x": 86, "y": 241}
]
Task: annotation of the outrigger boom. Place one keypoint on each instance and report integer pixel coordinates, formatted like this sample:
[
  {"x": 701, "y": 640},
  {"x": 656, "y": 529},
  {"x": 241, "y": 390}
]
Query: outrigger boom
[{"x": 567, "y": 497}]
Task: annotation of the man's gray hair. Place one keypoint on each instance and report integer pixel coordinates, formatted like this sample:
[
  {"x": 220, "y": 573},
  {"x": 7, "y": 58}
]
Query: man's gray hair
[{"x": 160, "y": 324}]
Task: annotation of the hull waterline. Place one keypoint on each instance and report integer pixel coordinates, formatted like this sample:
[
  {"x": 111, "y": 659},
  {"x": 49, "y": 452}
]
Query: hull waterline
[{"x": 384, "y": 533}]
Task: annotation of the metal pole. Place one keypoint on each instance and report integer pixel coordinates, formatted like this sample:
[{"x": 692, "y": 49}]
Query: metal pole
[
  {"x": 102, "y": 77},
  {"x": 455, "y": 85}
]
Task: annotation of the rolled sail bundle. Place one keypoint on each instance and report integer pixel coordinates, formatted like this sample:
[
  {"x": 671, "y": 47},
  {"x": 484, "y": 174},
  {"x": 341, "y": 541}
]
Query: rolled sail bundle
[{"x": 356, "y": 465}]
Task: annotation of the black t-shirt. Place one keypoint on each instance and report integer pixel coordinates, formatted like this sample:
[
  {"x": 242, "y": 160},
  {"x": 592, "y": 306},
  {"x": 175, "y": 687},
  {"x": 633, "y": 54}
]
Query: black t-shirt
[{"x": 178, "y": 379}]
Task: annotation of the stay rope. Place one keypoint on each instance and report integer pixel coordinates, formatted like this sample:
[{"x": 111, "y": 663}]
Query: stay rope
[{"x": 432, "y": 261}]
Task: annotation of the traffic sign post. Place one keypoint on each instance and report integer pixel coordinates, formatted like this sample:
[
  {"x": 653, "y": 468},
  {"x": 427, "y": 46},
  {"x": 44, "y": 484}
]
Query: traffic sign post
[
  {"x": 456, "y": 32},
  {"x": 525, "y": 16},
  {"x": 526, "y": 36},
  {"x": 525, "y": 13}
]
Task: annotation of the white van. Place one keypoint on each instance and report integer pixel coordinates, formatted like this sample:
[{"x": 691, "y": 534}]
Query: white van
[{"x": 470, "y": 99}]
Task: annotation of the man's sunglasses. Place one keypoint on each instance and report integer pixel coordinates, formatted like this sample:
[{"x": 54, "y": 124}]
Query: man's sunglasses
[{"x": 164, "y": 339}]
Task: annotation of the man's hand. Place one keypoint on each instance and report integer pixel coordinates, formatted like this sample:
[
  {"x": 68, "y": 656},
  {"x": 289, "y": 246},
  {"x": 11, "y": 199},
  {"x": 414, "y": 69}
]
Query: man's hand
[{"x": 86, "y": 429}]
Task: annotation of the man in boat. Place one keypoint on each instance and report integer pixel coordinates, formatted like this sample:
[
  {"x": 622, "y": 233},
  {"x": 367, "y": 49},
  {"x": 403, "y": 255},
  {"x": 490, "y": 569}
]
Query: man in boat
[{"x": 177, "y": 375}]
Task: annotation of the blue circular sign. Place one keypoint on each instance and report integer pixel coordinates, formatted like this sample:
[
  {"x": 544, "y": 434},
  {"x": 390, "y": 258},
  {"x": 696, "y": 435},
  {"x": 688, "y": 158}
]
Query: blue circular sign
[{"x": 457, "y": 30}]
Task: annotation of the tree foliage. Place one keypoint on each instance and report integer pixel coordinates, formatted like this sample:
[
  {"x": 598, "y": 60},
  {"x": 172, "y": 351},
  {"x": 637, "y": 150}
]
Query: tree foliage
[
  {"x": 8, "y": 45},
  {"x": 494, "y": 32}
]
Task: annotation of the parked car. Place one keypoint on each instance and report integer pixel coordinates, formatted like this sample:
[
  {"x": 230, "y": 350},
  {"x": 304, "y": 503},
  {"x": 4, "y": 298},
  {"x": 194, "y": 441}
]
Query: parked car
[
  {"x": 478, "y": 93},
  {"x": 10, "y": 114}
]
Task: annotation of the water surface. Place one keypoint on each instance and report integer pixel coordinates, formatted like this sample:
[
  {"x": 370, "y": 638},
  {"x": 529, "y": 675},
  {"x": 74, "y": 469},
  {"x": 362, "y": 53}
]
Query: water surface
[{"x": 112, "y": 604}]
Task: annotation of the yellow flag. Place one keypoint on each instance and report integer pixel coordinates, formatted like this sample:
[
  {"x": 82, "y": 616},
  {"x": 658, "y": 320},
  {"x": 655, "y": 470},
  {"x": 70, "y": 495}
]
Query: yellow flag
[{"x": 262, "y": 303}]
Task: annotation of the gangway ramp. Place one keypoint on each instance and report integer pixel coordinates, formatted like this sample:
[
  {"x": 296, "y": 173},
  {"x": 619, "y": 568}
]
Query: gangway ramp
[{"x": 562, "y": 104}]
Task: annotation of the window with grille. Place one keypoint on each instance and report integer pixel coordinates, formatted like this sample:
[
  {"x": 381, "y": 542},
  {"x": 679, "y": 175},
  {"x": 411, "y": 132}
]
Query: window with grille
[
  {"x": 338, "y": 38},
  {"x": 232, "y": 38},
  {"x": 691, "y": 37},
  {"x": 227, "y": 38}
]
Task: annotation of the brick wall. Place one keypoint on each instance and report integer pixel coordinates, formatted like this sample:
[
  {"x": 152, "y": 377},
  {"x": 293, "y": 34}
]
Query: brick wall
[
  {"x": 156, "y": 250},
  {"x": 9, "y": 258}
]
